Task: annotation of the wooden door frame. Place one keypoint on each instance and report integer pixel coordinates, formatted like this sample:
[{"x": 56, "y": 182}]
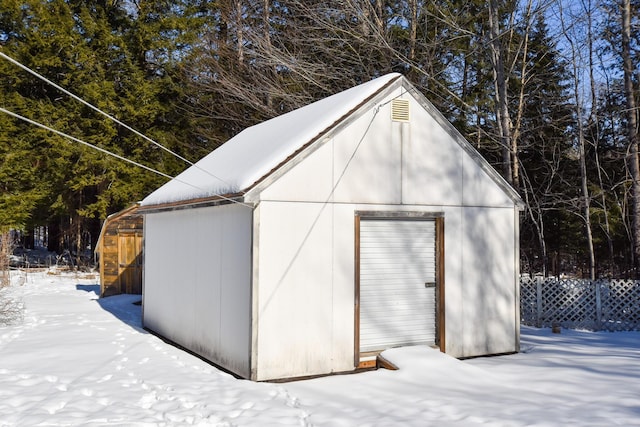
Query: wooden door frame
[
  {"x": 124, "y": 234},
  {"x": 438, "y": 217}
]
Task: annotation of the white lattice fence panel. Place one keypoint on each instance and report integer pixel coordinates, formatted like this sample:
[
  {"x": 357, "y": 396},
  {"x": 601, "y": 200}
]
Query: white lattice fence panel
[
  {"x": 528, "y": 302},
  {"x": 612, "y": 305},
  {"x": 570, "y": 303},
  {"x": 620, "y": 305}
]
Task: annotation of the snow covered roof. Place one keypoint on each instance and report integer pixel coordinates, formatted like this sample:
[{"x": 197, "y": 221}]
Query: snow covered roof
[{"x": 253, "y": 153}]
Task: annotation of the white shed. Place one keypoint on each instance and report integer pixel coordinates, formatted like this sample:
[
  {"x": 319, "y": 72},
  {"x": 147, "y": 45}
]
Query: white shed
[{"x": 307, "y": 244}]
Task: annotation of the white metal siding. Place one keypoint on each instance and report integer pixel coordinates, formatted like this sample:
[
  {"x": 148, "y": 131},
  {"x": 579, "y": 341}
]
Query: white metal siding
[
  {"x": 197, "y": 281},
  {"x": 397, "y": 258}
]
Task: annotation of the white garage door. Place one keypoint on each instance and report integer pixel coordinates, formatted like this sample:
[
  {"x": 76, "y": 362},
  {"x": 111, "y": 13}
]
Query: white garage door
[{"x": 397, "y": 283}]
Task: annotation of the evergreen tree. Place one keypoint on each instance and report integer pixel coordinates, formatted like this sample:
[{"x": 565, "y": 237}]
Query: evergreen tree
[{"x": 121, "y": 59}]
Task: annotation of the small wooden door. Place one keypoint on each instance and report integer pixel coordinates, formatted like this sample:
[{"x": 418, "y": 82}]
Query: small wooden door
[{"x": 130, "y": 262}]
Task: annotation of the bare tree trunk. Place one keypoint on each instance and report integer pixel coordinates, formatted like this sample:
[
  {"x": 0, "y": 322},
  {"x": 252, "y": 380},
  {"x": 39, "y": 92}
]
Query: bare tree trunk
[
  {"x": 536, "y": 215},
  {"x": 380, "y": 16},
  {"x": 585, "y": 188},
  {"x": 239, "y": 31},
  {"x": 78, "y": 243},
  {"x": 632, "y": 130},
  {"x": 6, "y": 249},
  {"x": 524, "y": 48},
  {"x": 584, "y": 183},
  {"x": 500, "y": 83},
  {"x": 78, "y": 232},
  {"x": 413, "y": 28},
  {"x": 594, "y": 121},
  {"x": 266, "y": 22}
]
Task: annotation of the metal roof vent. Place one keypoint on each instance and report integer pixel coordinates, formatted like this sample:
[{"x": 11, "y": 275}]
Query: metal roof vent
[{"x": 400, "y": 110}]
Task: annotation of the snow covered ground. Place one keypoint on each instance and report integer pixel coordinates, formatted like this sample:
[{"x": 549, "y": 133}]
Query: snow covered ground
[{"x": 79, "y": 360}]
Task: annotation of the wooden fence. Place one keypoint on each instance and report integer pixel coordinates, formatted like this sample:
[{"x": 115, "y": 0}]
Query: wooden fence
[{"x": 600, "y": 305}]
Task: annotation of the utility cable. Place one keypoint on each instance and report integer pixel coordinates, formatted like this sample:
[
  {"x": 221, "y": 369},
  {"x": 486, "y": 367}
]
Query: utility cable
[
  {"x": 102, "y": 150},
  {"x": 117, "y": 156},
  {"x": 77, "y": 98}
]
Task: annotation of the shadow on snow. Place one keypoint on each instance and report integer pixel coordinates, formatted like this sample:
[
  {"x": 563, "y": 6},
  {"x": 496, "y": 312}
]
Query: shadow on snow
[{"x": 125, "y": 307}]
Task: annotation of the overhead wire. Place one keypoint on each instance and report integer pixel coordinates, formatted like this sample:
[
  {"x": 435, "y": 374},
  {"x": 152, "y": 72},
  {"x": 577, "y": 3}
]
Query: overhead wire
[
  {"x": 95, "y": 147},
  {"x": 25, "y": 68},
  {"x": 117, "y": 156},
  {"x": 109, "y": 116}
]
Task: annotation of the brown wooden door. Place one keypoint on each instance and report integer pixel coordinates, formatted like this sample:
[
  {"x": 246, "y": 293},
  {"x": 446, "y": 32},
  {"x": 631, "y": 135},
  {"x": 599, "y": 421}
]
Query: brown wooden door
[{"x": 130, "y": 263}]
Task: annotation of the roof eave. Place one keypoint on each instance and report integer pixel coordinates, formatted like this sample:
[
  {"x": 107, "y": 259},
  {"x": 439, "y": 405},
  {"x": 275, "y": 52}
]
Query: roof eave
[
  {"x": 128, "y": 210},
  {"x": 222, "y": 199}
]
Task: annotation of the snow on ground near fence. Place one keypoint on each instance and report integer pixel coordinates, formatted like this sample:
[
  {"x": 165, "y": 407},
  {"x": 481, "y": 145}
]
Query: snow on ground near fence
[{"x": 78, "y": 360}]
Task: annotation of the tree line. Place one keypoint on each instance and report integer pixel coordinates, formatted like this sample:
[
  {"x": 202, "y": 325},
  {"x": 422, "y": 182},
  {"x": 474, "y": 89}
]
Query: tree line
[{"x": 546, "y": 90}]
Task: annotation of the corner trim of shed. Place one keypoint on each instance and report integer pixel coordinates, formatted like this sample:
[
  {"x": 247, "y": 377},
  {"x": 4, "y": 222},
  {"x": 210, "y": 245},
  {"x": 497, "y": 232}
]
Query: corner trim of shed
[{"x": 217, "y": 200}]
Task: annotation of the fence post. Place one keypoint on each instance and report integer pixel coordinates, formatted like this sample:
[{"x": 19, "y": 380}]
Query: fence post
[
  {"x": 539, "y": 280},
  {"x": 598, "y": 306}
]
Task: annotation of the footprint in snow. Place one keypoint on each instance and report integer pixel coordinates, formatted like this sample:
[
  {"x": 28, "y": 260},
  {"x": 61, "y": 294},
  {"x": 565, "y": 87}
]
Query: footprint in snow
[
  {"x": 105, "y": 378},
  {"x": 148, "y": 400},
  {"x": 54, "y": 407}
]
